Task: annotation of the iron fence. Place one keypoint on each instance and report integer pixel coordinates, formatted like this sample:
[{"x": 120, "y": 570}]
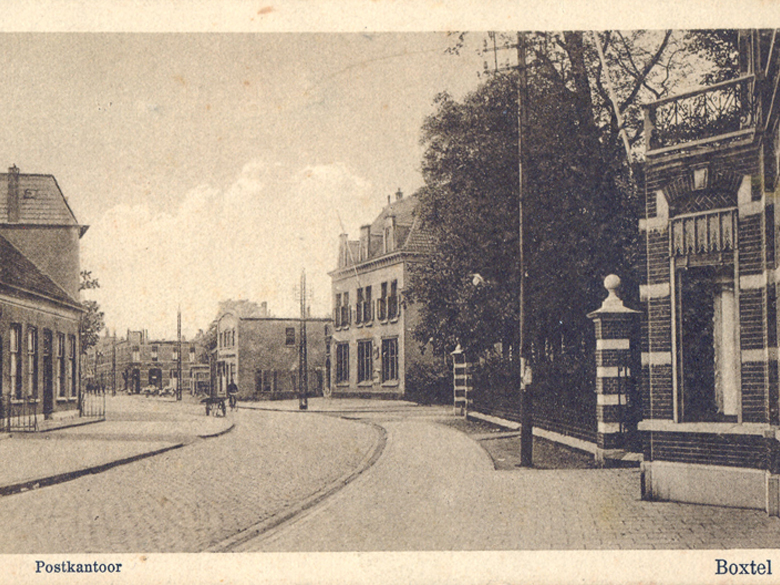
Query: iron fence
[
  {"x": 92, "y": 402},
  {"x": 19, "y": 415}
]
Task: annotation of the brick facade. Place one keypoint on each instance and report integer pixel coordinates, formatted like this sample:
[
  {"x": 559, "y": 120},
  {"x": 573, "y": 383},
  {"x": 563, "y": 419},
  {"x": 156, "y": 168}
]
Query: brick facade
[{"x": 709, "y": 376}]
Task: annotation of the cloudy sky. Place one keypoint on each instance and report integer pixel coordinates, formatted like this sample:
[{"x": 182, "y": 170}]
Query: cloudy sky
[{"x": 216, "y": 166}]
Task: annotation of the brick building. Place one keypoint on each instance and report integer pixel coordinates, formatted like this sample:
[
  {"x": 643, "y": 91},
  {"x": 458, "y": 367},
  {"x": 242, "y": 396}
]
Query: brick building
[
  {"x": 260, "y": 354},
  {"x": 372, "y": 348},
  {"x": 39, "y": 301},
  {"x": 135, "y": 362},
  {"x": 709, "y": 375}
]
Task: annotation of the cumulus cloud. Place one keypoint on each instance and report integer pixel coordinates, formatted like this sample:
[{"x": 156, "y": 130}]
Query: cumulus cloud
[{"x": 248, "y": 241}]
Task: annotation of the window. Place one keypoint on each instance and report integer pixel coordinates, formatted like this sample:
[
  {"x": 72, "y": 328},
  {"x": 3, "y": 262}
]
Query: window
[
  {"x": 192, "y": 354},
  {"x": 60, "y": 379},
  {"x": 367, "y": 312},
  {"x": 345, "y": 313},
  {"x": 16, "y": 360},
  {"x": 32, "y": 362},
  {"x": 389, "y": 359},
  {"x": 342, "y": 362},
  {"x": 359, "y": 307},
  {"x": 265, "y": 381},
  {"x": 381, "y": 303},
  {"x": 155, "y": 353},
  {"x": 72, "y": 371},
  {"x": 337, "y": 311},
  {"x": 175, "y": 353},
  {"x": 289, "y": 336},
  {"x": 136, "y": 353},
  {"x": 392, "y": 301},
  {"x": 365, "y": 365}
]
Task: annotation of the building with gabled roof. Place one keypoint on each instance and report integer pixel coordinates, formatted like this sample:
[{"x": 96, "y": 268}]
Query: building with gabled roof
[
  {"x": 39, "y": 302},
  {"x": 371, "y": 348}
]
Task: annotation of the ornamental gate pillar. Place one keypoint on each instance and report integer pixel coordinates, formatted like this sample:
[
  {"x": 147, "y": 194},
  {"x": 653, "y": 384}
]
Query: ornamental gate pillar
[
  {"x": 615, "y": 402},
  {"x": 461, "y": 381}
]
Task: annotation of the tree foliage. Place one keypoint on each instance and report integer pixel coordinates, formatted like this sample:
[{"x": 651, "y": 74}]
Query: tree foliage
[
  {"x": 581, "y": 203},
  {"x": 92, "y": 320}
]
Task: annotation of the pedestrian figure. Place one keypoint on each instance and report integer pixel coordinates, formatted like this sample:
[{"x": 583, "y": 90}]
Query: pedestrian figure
[{"x": 232, "y": 392}]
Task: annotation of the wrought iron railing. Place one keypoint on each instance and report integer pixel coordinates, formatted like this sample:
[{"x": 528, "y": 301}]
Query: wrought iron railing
[
  {"x": 19, "y": 415},
  {"x": 707, "y": 114},
  {"x": 92, "y": 402}
]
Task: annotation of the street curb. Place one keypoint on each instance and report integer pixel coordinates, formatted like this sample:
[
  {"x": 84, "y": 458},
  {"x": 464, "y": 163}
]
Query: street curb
[
  {"x": 218, "y": 433},
  {"x": 70, "y": 425},
  {"x": 261, "y": 530},
  {"x": 24, "y": 486},
  {"x": 32, "y": 484}
]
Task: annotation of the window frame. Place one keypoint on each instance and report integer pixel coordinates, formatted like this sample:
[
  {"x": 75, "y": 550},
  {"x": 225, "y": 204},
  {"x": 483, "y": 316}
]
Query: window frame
[
  {"x": 365, "y": 360},
  {"x": 342, "y": 363},
  {"x": 390, "y": 365}
]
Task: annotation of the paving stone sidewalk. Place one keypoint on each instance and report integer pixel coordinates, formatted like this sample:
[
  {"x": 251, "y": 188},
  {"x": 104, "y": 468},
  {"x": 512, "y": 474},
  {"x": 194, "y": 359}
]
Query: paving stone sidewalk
[{"x": 135, "y": 427}]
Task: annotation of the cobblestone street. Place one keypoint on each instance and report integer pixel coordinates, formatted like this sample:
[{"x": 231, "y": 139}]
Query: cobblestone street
[
  {"x": 187, "y": 499},
  {"x": 434, "y": 488}
]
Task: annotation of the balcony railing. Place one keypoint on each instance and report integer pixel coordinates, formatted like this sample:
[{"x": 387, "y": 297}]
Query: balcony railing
[{"x": 721, "y": 111}]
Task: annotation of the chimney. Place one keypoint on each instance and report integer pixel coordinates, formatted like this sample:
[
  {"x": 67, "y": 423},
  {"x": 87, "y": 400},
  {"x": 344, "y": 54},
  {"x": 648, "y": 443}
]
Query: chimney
[
  {"x": 399, "y": 194},
  {"x": 365, "y": 241},
  {"x": 14, "y": 211},
  {"x": 264, "y": 309}
]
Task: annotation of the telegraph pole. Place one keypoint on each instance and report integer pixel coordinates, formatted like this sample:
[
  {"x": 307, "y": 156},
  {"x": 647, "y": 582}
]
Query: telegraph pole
[
  {"x": 303, "y": 369},
  {"x": 523, "y": 369},
  {"x": 178, "y": 355},
  {"x": 526, "y": 396}
]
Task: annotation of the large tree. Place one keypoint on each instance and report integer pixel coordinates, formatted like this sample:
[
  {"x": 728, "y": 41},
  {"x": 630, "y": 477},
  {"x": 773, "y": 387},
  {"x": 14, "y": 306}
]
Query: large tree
[{"x": 580, "y": 207}]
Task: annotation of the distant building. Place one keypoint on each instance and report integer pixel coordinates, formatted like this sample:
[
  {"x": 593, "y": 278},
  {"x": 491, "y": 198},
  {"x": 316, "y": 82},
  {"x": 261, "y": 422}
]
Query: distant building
[
  {"x": 136, "y": 362},
  {"x": 372, "y": 348},
  {"x": 39, "y": 301},
  {"x": 260, "y": 354}
]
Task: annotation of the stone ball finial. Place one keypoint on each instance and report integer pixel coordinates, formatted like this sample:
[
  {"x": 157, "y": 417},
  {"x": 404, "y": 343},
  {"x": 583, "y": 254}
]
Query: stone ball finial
[
  {"x": 612, "y": 304},
  {"x": 611, "y": 283}
]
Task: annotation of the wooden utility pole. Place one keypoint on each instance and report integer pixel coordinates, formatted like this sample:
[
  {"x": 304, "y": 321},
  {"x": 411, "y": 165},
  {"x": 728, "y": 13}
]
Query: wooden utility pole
[
  {"x": 526, "y": 397},
  {"x": 178, "y": 356},
  {"x": 303, "y": 368},
  {"x": 523, "y": 370}
]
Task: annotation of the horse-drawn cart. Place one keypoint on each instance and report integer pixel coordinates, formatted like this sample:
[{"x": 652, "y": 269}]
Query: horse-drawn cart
[{"x": 215, "y": 404}]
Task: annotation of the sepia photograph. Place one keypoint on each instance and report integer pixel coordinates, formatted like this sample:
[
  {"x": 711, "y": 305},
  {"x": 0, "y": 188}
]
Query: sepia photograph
[{"x": 386, "y": 304}]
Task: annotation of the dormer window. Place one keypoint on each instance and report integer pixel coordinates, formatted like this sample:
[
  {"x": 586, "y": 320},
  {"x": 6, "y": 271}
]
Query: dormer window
[
  {"x": 365, "y": 242},
  {"x": 388, "y": 235}
]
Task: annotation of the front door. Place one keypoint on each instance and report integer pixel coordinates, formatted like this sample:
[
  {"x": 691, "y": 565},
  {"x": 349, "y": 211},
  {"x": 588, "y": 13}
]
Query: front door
[
  {"x": 48, "y": 375},
  {"x": 155, "y": 377}
]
